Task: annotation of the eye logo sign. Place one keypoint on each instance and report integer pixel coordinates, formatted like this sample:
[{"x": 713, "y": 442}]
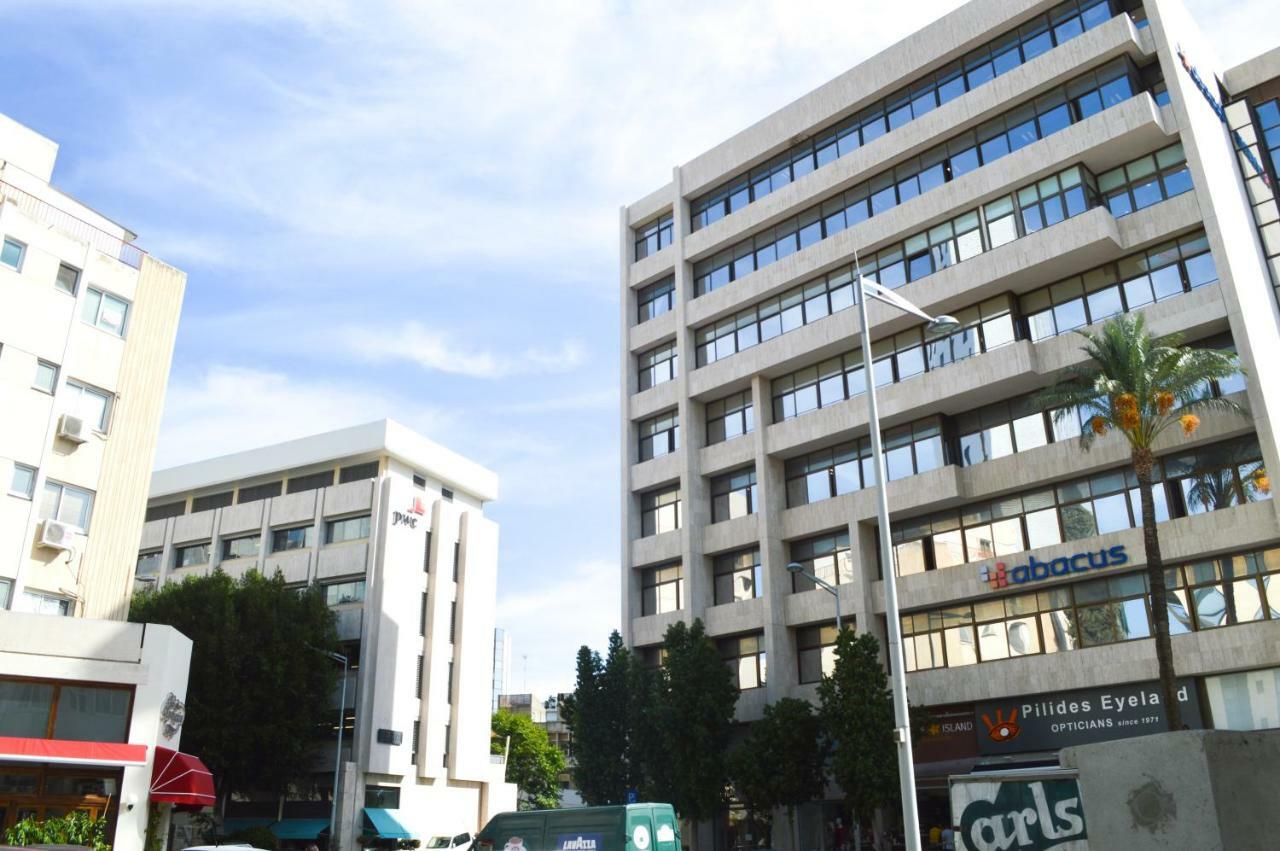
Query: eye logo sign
[
  {"x": 1001, "y": 575},
  {"x": 1002, "y": 730}
]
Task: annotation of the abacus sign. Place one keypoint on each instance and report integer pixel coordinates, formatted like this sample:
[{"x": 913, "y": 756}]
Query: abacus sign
[
  {"x": 1047, "y": 722},
  {"x": 1001, "y": 575}
]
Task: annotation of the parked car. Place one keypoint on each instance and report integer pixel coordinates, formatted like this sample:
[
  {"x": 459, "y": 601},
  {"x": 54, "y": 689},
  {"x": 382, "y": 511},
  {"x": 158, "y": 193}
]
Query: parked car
[{"x": 462, "y": 842}]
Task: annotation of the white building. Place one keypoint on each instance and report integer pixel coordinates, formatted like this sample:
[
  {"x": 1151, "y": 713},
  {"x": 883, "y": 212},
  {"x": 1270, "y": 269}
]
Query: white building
[
  {"x": 393, "y": 527},
  {"x": 1030, "y": 168},
  {"x": 90, "y": 710},
  {"x": 501, "y": 664}
]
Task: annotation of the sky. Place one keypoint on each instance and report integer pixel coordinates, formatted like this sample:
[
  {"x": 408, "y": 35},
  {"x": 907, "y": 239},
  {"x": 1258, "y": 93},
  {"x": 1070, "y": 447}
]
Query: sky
[{"x": 410, "y": 210}]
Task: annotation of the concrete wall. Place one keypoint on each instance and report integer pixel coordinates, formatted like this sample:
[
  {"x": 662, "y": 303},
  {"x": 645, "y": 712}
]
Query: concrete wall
[{"x": 1190, "y": 789}]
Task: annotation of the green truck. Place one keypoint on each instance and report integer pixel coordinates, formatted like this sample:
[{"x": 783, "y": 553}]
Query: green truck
[{"x": 627, "y": 827}]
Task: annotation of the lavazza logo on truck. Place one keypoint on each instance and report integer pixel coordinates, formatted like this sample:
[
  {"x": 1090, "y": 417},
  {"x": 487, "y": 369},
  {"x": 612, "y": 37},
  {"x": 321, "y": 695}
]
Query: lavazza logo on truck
[{"x": 1001, "y": 576}]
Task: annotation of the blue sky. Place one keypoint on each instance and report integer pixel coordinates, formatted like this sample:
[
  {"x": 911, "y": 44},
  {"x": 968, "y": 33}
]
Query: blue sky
[{"x": 410, "y": 210}]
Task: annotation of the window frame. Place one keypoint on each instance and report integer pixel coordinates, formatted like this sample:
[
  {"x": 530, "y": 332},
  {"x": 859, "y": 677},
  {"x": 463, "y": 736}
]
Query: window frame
[{"x": 96, "y": 322}]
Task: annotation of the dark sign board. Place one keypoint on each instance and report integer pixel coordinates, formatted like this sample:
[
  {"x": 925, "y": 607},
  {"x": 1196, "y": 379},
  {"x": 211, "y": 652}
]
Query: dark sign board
[
  {"x": 1047, "y": 722},
  {"x": 390, "y": 737},
  {"x": 948, "y": 735}
]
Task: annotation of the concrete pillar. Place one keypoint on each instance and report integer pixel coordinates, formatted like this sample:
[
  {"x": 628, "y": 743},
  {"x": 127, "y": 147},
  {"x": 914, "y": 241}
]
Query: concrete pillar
[{"x": 779, "y": 645}]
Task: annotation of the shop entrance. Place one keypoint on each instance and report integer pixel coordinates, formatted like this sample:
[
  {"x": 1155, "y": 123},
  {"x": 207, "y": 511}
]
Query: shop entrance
[{"x": 29, "y": 790}]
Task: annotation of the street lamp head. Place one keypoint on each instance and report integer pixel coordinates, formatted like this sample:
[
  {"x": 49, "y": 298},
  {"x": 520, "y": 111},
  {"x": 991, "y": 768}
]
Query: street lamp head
[
  {"x": 795, "y": 567},
  {"x": 941, "y": 325}
]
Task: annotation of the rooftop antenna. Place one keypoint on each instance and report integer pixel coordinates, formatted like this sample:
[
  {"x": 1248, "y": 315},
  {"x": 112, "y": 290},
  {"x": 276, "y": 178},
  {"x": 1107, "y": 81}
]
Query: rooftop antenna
[{"x": 525, "y": 674}]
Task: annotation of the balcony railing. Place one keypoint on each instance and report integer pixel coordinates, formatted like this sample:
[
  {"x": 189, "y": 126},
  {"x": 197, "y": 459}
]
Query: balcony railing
[{"x": 44, "y": 212}]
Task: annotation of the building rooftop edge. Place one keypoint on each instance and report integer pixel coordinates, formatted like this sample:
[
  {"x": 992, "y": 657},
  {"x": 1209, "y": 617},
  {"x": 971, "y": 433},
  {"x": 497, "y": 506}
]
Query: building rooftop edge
[
  {"x": 1253, "y": 71},
  {"x": 379, "y": 436}
]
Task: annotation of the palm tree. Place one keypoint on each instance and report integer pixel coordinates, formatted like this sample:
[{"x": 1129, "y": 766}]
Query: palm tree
[{"x": 1141, "y": 387}]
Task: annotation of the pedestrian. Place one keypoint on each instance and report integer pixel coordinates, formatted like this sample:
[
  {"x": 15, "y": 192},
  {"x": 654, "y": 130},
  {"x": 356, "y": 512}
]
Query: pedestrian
[{"x": 948, "y": 839}]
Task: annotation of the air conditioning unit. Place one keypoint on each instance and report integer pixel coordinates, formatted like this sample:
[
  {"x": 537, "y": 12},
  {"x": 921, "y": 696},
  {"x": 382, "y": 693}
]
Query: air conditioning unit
[
  {"x": 72, "y": 429},
  {"x": 56, "y": 535}
]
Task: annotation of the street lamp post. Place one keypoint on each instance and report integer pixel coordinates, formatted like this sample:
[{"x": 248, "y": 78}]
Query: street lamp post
[
  {"x": 902, "y": 733},
  {"x": 337, "y": 759},
  {"x": 796, "y": 567}
]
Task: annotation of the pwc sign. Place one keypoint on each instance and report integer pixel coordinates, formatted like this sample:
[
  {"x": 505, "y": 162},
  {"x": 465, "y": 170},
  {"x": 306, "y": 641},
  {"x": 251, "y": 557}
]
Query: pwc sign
[{"x": 1000, "y": 575}]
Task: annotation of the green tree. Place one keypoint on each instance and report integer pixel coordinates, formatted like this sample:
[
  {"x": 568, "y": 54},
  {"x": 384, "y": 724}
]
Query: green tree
[
  {"x": 1142, "y": 387},
  {"x": 599, "y": 716},
  {"x": 690, "y": 708},
  {"x": 856, "y": 709},
  {"x": 533, "y": 763},
  {"x": 258, "y": 693},
  {"x": 780, "y": 762}
]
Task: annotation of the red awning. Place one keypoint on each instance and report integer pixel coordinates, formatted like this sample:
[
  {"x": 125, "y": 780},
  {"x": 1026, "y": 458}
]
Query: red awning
[
  {"x": 63, "y": 752},
  {"x": 180, "y": 778}
]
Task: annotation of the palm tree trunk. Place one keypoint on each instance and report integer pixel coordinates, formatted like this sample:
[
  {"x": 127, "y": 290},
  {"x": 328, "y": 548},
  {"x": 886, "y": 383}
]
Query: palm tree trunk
[{"x": 1143, "y": 461}]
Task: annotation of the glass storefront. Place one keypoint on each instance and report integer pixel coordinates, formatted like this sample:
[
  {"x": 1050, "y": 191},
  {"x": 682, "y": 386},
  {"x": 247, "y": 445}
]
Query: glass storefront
[{"x": 41, "y": 792}]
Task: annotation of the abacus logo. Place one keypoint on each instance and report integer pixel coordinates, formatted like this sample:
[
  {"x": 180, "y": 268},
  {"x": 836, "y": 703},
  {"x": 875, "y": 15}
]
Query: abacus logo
[
  {"x": 1001, "y": 575},
  {"x": 996, "y": 576}
]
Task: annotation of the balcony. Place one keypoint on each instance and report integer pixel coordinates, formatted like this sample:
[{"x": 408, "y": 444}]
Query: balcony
[{"x": 77, "y": 228}]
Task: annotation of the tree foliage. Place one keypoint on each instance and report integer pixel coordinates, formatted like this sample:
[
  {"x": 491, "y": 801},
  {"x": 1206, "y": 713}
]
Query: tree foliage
[
  {"x": 533, "y": 762},
  {"x": 1141, "y": 387},
  {"x": 259, "y": 692},
  {"x": 856, "y": 708},
  {"x": 688, "y": 721},
  {"x": 599, "y": 717},
  {"x": 780, "y": 762}
]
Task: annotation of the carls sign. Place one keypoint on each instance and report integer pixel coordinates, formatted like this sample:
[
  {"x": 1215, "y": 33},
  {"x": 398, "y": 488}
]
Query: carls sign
[{"x": 1018, "y": 815}]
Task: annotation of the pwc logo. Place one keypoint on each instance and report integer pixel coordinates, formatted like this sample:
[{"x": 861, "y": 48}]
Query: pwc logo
[
  {"x": 1002, "y": 730},
  {"x": 419, "y": 507},
  {"x": 996, "y": 577}
]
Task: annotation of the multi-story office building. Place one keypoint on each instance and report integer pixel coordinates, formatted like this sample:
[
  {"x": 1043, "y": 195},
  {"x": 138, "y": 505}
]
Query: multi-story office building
[
  {"x": 392, "y": 526},
  {"x": 1030, "y": 168},
  {"x": 90, "y": 710},
  {"x": 547, "y": 715}
]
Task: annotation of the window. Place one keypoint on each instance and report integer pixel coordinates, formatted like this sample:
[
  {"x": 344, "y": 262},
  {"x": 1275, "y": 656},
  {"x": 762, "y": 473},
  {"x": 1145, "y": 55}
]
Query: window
[
  {"x": 826, "y": 557},
  {"x": 382, "y": 797},
  {"x": 1145, "y": 181},
  {"x": 422, "y": 616},
  {"x": 46, "y": 604},
  {"x": 426, "y": 554},
  {"x": 921, "y": 97},
  {"x": 447, "y": 734},
  {"x": 1003, "y": 135},
  {"x": 816, "y": 649},
  {"x": 12, "y": 253},
  {"x": 737, "y": 576},
  {"x": 661, "y": 590},
  {"x": 358, "y": 472},
  {"x": 446, "y": 494},
  {"x": 314, "y": 481},
  {"x": 23, "y": 482},
  {"x": 148, "y": 564},
  {"x": 46, "y": 379},
  {"x": 53, "y": 710},
  {"x": 210, "y": 501},
  {"x": 191, "y": 555},
  {"x": 292, "y": 538},
  {"x": 419, "y": 482},
  {"x": 1008, "y": 427},
  {"x": 66, "y": 504},
  {"x": 453, "y": 620},
  {"x": 89, "y": 403},
  {"x": 417, "y": 724},
  {"x": 1056, "y": 198},
  {"x": 68, "y": 279},
  {"x": 730, "y": 417},
  {"x": 1205, "y": 479},
  {"x": 1167, "y": 270},
  {"x": 347, "y": 529},
  {"x": 105, "y": 311},
  {"x": 341, "y": 593},
  {"x": 745, "y": 658},
  {"x": 659, "y": 436},
  {"x": 656, "y": 299},
  {"x": 165, "y": 510},
  {"x": 653, "y": 237},
  {"x": 448, "y": 684},
  {"x": 658, "y": 365},
  {"x": 660, "y": 511},
  {"x": 253, "y": 493},
  {"x": 733, "y": 495},
  {"x": 246, "y": 546}
]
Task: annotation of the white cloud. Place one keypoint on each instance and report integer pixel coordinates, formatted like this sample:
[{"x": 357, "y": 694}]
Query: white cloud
[
  {"x": 433, "y": 349},
  {"x": 569, "y": 607},
  {"x": 225, "y": 409}
]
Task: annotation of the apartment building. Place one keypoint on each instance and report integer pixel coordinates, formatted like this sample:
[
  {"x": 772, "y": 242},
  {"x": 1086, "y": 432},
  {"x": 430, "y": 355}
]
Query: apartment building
[
  {"x": 392, "y": 527},
  {"x": 1029, "y": 168},
  {"x": 548, "y": 714},
  {"x": 91, "y": 707}
]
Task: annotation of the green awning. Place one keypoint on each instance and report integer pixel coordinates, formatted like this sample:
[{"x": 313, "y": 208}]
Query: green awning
[
  {"x": 384, "y": 823},
  {"x": 300, "y": 828},
  {"x": 235, "y": 825}
]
